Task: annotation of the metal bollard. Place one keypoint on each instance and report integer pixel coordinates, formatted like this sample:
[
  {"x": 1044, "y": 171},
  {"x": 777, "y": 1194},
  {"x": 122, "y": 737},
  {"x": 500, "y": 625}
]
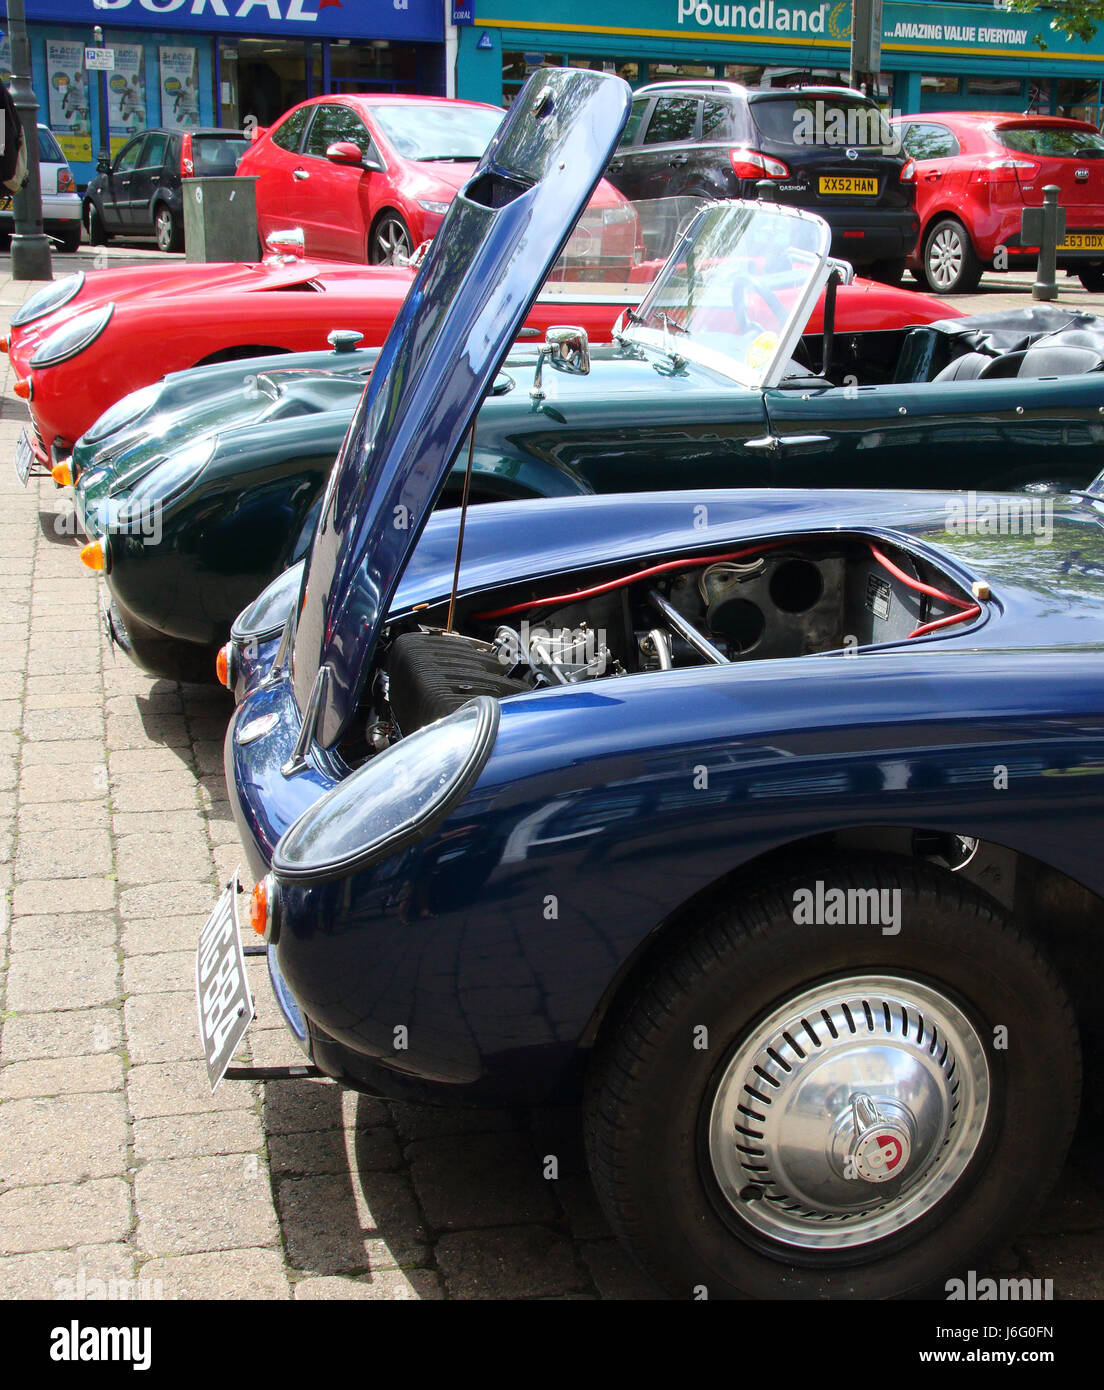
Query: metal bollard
[{"x": 1045, "y": 227}]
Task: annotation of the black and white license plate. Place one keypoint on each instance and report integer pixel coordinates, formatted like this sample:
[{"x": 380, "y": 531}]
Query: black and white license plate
[
  {"x": 222, "y": 991},
  {"x": 24, "y": 457}
]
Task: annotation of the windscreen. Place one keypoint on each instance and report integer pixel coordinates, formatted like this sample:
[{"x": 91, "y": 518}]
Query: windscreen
[
  {"x": 438, "y": 132},
  {"x": 832, "y": 119},
  {"x": 217, "y": 154},
  {"x": 732, "y": 293},
  {"x": 1067, "y": 142}
]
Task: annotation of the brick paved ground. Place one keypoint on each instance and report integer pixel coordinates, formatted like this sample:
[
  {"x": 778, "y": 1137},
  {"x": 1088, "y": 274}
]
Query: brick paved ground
[{"x": 115, "y": 1162}]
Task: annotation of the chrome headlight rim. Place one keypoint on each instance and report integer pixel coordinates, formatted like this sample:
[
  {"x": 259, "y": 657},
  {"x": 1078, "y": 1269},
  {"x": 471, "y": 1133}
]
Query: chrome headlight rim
[
  {"x": 98, "y": 319},
  {"x": 417, "y": 827},
  {"x": 122, "y": 416},
  {"x": 29, "y": 313}
]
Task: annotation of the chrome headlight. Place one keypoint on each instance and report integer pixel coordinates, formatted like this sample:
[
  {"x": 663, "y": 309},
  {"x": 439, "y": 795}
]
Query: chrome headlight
[
  {"x": 72, "y": 337},
  {"x": 49, "y": 298},
  {"x": 164, "y": 481},
  {"x": 124, "y": 412},
  {"x": 398, "y": 797},
  {"x": 272, "y": 607}
]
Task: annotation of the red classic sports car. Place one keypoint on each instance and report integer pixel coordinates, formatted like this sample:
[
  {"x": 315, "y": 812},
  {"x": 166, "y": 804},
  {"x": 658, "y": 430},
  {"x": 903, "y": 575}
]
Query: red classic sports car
[{"x": 82, "y": 342}]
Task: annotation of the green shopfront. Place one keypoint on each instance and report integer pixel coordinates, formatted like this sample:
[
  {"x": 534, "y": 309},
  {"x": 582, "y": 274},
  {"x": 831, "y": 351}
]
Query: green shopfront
[{"x": 966, "y": 56}]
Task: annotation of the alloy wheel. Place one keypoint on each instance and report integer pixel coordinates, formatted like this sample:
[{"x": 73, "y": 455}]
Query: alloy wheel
[
  {"x": 392, "y": 242},
  {"x": 946, "y": 257}
]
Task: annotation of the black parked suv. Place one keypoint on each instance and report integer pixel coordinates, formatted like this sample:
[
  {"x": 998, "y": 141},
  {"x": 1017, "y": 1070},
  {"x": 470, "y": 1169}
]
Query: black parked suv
[
  {"x": 140, "y": 192},
  {"x": 827, "y": 149}
]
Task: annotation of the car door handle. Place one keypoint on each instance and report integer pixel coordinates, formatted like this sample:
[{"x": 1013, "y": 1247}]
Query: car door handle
[
  {"x": 933, "y": 174},
  {"x": 775, "y": 443},
  {"x": 300, "y": 174},
  {"x": 616, "y": 166},
  {"x": 679, "y": 159}
]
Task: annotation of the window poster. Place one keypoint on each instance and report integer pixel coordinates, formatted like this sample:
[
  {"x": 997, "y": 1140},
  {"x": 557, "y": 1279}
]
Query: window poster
[
  {"x": 179, "y": 86},
  {"x": 70, "y": 119},
  {"x": 126, "y": 94}
]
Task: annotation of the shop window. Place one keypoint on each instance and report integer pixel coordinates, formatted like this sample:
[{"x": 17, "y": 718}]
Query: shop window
[
  {"x": 1080, "y": 98},
  {"x": 289, "y": 134},
  {"x": 664, "y": 72},
  {"x": 940, "y": 85},
  {"x": 741, "y": 72},
  {"x": 929, "y": 140},
  {"x": 994, "y": 87},
  {"x": 674, "y": 118}
]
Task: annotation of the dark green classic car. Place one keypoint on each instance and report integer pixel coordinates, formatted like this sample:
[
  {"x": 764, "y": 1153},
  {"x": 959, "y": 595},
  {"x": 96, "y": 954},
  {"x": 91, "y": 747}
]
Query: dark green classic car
[{"x": 752, "y": 361}]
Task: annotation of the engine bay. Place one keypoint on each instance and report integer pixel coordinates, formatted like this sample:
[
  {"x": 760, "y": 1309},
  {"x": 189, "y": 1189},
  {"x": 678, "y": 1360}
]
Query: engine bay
[{"x": 761, "y": 601}]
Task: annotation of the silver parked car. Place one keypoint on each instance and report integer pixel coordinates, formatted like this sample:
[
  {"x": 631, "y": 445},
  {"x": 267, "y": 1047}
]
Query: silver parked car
[{"x": 61, "y": 204}]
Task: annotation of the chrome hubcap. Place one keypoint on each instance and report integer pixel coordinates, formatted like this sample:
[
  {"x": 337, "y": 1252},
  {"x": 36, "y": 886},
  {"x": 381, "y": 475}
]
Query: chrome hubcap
[
  {"x": 945, "y": 257},
  {"x": 849, "y": 1112}
]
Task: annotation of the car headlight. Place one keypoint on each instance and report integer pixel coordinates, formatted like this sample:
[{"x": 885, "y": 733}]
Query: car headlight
[
  {"x": 72, "y": 337},
  {"x": 398, "y": 797},
  {"x": 49, "y": 298},
  {"x": 164, "y": 481},
  {"x": 269, "y": 611},
  {"x": 430, "y": 206},
  {"x": 123, "y": 413}
]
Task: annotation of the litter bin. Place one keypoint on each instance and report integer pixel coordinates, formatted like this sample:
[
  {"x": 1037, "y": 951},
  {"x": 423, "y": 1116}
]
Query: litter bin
[{"x": 220, "y": 219}]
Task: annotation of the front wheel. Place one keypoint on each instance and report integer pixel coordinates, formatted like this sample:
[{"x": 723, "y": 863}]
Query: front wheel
[
  {"x": 97, "y": 232},
  {"x": 809, "y": 1100},
  {"x": 167, "y": 230},
  {"x": 390, "y": 242},
  {"x": 950, "y": 264}
]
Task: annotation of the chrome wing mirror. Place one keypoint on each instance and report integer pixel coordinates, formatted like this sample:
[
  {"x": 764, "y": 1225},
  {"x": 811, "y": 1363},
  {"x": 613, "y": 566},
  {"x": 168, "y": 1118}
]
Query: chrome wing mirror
[{"x": 568, "y": 350}]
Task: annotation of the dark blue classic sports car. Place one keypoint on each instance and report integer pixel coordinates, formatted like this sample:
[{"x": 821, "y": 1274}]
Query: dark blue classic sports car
[{"x": 765, "y": 822}]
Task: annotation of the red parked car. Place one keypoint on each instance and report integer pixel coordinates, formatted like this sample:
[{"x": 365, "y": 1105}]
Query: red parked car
[
  {"x": 368, "y": 178},
  {"x": 81, "y": 342},
  {"x": 976, "y": 171}
]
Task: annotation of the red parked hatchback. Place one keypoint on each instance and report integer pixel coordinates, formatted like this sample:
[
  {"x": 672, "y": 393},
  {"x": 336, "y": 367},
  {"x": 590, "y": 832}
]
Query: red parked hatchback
[
  {"x": 368, "y": 178},
  {"x": 975, "y": 173}
]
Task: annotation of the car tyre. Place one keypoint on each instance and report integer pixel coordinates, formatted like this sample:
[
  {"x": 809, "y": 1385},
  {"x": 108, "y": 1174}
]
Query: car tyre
[
  {"x": 390, "y": 239},
  {"x": 70, "y": 239},
  {"x": 1092, "y": 277},
  {"x": 167, "y": 229},
  {"x": 949, "y": 264},
  {"x": 97, "y": 232},
  {"x": 683, "y": 1072},
  {"x": 889, "y": 271}
]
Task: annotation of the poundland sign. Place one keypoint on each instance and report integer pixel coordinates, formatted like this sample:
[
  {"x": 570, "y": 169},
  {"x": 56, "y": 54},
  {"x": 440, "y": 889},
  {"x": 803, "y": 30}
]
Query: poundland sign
[{"x": 766, "y": 17}]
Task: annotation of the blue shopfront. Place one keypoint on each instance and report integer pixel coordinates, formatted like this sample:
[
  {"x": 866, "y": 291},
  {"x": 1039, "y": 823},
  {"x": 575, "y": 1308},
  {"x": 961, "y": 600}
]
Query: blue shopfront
[
  {"x": 935, "y": 56},
  {"x": 218, "y": 62}
]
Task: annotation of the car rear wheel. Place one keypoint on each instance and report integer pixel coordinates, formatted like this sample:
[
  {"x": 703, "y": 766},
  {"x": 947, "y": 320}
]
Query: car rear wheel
[
  {"x": 793, "y": 1110},
  {"x": 950, "y": 265},
  {"x": 97, "y": 232},
  {"x": 889, "y": 272},
  {"x": 70, "y": 239},
  {"x": 1092, "y": 277},
  {"x": 168, "y": 230},
  {"x": 390, "y": 242}
]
